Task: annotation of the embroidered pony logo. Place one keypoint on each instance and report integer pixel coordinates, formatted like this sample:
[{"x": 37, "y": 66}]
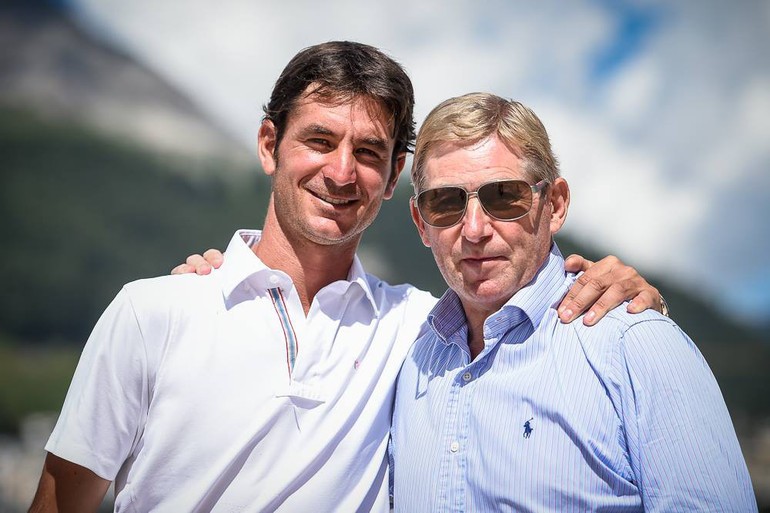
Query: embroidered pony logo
[{"x": 528, "y": 428}]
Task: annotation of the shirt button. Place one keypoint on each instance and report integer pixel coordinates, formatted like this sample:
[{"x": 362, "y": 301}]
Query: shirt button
[
  {"x": 273, "y": 279},
  {"x": 454, "y": 447},
  {"x": 467, "y": 376}
]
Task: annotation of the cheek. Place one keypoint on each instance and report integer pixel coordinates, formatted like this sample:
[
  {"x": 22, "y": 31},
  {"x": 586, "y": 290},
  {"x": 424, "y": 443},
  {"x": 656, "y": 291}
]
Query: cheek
[
  {"x": 373, "y": 180},
  {"x": 433, "y": 238},
  {"x": 443, "y": 248},
  {"x": 301, "y": 162}
]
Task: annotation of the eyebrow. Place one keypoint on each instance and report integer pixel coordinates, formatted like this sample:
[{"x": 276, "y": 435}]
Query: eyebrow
[
  {"x": 316, "y": 129},
  {"x": 376, "y": 142}
]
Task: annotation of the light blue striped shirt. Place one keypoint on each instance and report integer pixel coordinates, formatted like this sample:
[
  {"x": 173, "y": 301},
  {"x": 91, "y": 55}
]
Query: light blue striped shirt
[{"x": 624, "y": 416}]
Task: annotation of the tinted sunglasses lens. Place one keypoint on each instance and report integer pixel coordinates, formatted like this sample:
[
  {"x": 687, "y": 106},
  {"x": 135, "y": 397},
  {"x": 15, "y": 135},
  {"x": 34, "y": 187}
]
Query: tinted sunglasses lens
[
  {"x": 443, "y": 206},
  {"x": 507, "y": 200}
]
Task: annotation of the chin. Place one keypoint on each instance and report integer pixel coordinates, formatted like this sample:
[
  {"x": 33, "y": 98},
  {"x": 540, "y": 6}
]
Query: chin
[
  {"x": 330, "y": 237},
  {"x": 488, "y": 294}
]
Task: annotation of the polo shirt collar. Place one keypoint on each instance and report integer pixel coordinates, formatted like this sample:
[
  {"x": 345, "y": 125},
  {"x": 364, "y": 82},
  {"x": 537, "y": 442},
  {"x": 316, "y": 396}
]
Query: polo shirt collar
[
  {"x": 358, "y": 275},
  {"x": 242, "y": 265}
]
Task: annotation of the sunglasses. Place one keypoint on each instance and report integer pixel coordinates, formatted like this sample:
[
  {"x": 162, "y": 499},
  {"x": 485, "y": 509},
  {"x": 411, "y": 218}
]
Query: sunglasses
[{"x": 504, "y": 200}]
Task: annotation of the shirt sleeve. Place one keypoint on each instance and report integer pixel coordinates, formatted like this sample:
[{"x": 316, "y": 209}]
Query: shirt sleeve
[
  {"x": 682, "y": 445},
  {"x": 106, "y": 404}
]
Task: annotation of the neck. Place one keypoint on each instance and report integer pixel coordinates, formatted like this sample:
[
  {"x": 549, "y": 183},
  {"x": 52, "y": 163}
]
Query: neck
[
  {"x": 311, "y": 266},
  {"x": 475, "y": 318}
]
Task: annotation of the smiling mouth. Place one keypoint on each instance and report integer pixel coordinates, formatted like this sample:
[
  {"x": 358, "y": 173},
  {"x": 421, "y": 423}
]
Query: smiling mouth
[{"x": 332, "y": 200}]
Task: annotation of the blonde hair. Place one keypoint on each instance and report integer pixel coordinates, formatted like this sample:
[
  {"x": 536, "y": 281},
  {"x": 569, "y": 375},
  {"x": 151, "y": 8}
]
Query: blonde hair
[{"x": 471, "y": 118}]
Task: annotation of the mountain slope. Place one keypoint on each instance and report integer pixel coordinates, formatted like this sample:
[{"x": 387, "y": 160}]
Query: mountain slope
[{"x": 50, "y": 66}]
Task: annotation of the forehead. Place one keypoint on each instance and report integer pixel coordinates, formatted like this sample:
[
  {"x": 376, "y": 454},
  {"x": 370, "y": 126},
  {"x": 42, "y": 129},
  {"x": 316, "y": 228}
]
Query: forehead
[
  {"x": 489, "y": 159},
  {"x": 361, "y": 114}
]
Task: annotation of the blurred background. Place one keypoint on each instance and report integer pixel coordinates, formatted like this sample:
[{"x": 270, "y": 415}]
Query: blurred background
[{"x": 126, "y": 143}]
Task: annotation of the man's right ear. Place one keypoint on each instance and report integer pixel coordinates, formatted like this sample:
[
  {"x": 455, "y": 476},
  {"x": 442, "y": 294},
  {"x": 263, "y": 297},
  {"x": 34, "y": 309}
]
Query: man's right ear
[
  {"x": 266, "y": 146},
  {"x": 418, "y": 222}
]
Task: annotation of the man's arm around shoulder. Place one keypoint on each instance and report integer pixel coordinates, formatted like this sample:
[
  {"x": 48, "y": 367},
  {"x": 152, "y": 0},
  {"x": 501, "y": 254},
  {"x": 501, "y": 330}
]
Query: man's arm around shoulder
[{"x": 67, "y": 487}]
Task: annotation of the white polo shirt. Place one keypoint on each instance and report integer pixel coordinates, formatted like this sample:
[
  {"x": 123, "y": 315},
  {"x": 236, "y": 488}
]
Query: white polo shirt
[{"x": 186, "y": 395}]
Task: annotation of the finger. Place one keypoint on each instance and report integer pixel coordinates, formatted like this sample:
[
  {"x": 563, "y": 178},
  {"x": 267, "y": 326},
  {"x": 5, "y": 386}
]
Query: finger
[
  {"x": 646, "y": 299},
  {"x": 195, "y": 260},
  {"x": 616, "y": 294},
  {"x": 592, "y": 270},
  {"x": 199, "y": 265},
  {"x": 642, "y": 295},
  {"x": 565, "y": 307},
  {"x": 183, "y": 269},
  {"x": 610, "y": 263},
  {"x": 582, "y": 295},
  {"x": 607, "y": 271},
  {"x": 214, "y": 257},
  {"x": 576, "y": 263}
]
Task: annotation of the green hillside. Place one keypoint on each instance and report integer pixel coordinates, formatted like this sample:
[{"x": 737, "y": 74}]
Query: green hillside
[{"x": 82, "y": 214}]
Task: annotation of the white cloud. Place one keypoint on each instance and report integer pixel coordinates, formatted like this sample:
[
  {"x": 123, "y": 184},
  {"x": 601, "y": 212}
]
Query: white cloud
[
  {"x": 666, "y": 149},
  {"x": 620, "y": 199},
  {"x": 631, "y": 94}
]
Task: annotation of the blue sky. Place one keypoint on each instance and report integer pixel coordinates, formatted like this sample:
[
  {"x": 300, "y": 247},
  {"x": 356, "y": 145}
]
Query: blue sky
[{"x": 657, "y": 110}]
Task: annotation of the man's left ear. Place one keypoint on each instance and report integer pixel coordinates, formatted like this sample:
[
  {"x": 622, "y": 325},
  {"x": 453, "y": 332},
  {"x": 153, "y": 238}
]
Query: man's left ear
[
  {"x": 558, "y": 195},
  {"x": 398, "y": 166}
]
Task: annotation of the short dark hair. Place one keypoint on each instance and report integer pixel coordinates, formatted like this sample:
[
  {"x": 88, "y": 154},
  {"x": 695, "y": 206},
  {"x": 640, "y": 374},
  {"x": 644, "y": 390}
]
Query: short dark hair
[{"x": 343, "y": 71}]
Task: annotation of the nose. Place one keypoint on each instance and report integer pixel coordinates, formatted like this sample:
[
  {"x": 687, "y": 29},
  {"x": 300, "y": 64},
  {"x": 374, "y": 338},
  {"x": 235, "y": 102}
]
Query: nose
[
  {"x": 476, "y": 223},
  {"x": 340, "y": 167}
]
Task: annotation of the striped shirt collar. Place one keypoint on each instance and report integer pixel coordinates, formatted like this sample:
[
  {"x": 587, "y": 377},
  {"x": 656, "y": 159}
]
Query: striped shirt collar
[
  {"x": 243, "y": 267},
  {"x": 531, "y": 302}
]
